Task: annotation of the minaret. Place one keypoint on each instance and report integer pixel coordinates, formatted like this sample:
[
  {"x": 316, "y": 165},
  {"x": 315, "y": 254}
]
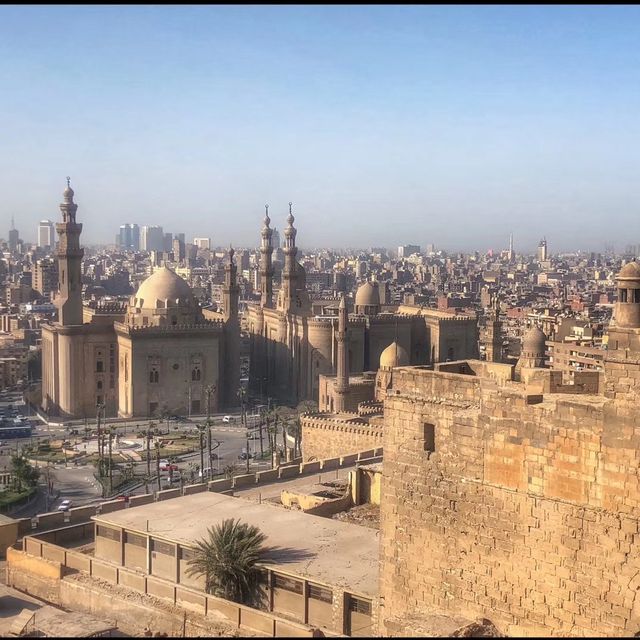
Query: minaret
[
  {"x": 511, "y": 255},
  {"x": 69, "y": 299},
  {"x": 230, "y": 293},
  {"x": 493, "y": 334},
  {"x": 266, "y": 266},
  {"x": 342, "y": 368},
  {"x": 289, "y": 271}
]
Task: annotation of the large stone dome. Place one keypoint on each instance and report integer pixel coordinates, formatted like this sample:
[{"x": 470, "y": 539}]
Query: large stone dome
[
  {"x": 368, "y": 295},
  {"x": 630, "y": 271},
  {"x": 394, "y": 356},
  {"x": 164, "y": 288},
  {"x": 534, "y": 341}
]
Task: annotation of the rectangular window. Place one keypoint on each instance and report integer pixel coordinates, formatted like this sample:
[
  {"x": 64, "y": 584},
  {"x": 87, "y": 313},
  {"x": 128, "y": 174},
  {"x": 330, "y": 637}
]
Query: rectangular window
[
  {"x": 108, "y": 533},
  {"x": 195, "y": 406},
  {"x": 357, "y": 605},
  {"x": 163, "y": 547},
  {"x": 287, "y": 584},
  {"x": 429, "y": 437},
  {"x": 187, "y": 554},
  {"x": 100, "y": 366},
  {"x": 320, "y": 593},
  {"x": 135, "y": 539},
  {"x": 152, "y": 408}
]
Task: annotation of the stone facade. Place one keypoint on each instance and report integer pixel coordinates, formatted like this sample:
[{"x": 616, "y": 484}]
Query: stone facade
[
  {"x": 327, "y": 436},
  {"x": 515, "y": 506},
  {"x": 161, "y": 352}
]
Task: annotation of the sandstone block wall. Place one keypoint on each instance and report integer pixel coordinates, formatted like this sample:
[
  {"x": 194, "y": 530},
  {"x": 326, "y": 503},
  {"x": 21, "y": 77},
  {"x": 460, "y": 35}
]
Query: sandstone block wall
[
  {"x": 526, "y": 514},
  {"x": 328, "y": 438}
]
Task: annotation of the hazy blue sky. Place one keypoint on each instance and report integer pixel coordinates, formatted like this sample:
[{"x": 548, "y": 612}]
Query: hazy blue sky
[{"x": 383, "y": 125}]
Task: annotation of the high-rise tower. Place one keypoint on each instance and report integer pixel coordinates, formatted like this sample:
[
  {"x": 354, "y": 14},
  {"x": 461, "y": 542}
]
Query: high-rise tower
[
  {"x": 69, "y": 299},
  {"x": 342, "y": 368},
  {"x": 266, "y": 265}
]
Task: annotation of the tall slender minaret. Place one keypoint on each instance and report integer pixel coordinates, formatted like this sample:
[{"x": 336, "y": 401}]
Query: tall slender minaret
[
  {"x": 289, "y": 271},
  {"x": 230, "y": 290},
  {"x": 69, "y": 299},
  {"x": 511, "y": 256},
  {"x": 342, "y": 368},
  {"x": 266, "y": 265},
  {"x": 230, "y": 293}
]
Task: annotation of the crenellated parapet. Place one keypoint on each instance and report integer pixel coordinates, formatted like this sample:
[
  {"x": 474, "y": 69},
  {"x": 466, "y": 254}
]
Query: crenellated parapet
[
  {"x": 370, "y": 408},
  {"x": 211, "y": 326}
]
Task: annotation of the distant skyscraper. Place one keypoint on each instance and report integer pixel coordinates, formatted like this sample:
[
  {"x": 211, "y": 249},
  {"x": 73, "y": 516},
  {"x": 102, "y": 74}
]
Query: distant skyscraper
[
  {"x": 406, "y": 250},
  {"x": 46, "y": 234},
  {"x": 511, "y": 253},
  {"x": 275, "y": 238},
  {"x": 542, "y": 250},
  {"x": 14, "y": 236},
  {"x": 129, "y": 237},
  {"x": 152, "y": 238},
  {"x": 167, "y": 243},
  {"x": 202, "y": 243}
]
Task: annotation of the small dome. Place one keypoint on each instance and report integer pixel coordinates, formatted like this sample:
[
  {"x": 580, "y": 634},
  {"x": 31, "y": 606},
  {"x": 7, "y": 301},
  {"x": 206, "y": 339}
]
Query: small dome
[
  {"x": 534, "y": 341},
  {"x": 368, "y": 294},
  {"x": 164, "y": 284},
  {"x": 68, "y": 193},
  {"x": 394, "y": 356},
  {"x": 630, "y": 271}
]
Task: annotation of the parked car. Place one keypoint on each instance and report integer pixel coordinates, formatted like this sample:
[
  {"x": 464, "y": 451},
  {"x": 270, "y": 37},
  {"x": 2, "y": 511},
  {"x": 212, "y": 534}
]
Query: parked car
[
  {"x": 65, "y": 505},
  {"x": 228, "y": 419}
]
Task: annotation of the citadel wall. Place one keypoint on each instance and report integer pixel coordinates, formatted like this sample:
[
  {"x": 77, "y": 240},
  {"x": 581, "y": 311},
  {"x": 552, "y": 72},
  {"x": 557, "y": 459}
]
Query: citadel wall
[{"x": 516, "y": 507}]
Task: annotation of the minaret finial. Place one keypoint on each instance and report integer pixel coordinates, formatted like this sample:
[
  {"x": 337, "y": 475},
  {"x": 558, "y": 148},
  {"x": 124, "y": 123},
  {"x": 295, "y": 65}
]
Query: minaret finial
[{"x": 68, "y": 181}]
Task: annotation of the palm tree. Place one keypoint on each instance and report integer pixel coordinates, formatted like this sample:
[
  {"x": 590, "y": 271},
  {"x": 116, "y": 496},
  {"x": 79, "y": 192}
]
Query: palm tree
[{"x": 228, "y": 559}]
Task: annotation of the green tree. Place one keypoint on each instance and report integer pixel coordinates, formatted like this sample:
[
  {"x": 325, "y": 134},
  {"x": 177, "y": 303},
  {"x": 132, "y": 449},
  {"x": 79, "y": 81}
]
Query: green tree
[
  {"x": 228, "y": 558},
  {"x": 25, "y": 475}
]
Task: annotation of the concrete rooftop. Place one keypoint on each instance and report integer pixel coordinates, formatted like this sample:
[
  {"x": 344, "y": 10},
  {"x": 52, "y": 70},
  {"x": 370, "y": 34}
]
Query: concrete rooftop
[{"x": 320, "y": 549}]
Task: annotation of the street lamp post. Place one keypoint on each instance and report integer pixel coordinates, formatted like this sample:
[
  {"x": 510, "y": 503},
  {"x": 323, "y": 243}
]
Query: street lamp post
[
  {"x": 157, "y": 444},
  {"x": 209, "y": 389}
]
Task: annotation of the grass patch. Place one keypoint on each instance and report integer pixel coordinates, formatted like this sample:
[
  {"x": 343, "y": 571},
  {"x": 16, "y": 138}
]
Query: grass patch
[{"x": 8, "y": 498}]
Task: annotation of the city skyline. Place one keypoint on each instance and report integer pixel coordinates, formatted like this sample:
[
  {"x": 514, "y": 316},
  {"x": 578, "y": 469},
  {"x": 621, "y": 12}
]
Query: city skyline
[{"x": 451, "y": 125}]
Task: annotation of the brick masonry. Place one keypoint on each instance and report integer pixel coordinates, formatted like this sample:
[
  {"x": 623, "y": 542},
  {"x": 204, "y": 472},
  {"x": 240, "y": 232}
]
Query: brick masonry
[{"x": 526, "y": 511}]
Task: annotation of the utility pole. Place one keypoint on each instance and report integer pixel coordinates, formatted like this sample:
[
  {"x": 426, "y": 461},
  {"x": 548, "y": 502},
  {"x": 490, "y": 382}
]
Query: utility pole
[
  {"x": 149, "y": 450},
  {"x": 201, "y": 430},
  {"x": 110, "y": 464},
  {"x": 209, "y": 390},
  {"x": 157, "y": 443},
  {"x": 99, "y": 441}
]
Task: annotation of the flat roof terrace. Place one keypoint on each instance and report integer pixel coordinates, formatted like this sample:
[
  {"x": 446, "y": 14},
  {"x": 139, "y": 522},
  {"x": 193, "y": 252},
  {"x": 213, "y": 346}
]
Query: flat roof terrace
[{"x": 319, "y": 549}]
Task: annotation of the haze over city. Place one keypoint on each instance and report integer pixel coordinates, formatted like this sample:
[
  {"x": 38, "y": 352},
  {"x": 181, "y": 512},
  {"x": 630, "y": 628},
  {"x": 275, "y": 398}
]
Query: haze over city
[{"x": 383, "y": 125}]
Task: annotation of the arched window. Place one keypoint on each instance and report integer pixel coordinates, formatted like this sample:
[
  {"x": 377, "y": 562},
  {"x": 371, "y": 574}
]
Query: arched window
[
  {"x": 623, "y": 295},
  {"x": 196, "y": 373},
  {"x": 156, "y": 376}
]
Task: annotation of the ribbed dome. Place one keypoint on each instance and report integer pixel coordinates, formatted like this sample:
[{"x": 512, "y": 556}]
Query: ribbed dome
[
  {"x": 630, "y": 271},
  {"x": 534, "y": 341},
  {"x": 394, "y": 356},
  {"x": 164, "y": 285},
  {"x": 368, "y": 295}
]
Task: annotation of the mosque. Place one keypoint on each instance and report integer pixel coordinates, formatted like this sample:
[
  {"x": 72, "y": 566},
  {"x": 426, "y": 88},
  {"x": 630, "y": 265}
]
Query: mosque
[
  {"x": 292, "y": 347},
  {"x": 159, "y": 353}
]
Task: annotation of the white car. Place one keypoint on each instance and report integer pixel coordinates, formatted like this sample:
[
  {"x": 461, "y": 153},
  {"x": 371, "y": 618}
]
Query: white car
[
  {"x": 64, "y": 505},
  {"x": 228, "y": 419}
]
